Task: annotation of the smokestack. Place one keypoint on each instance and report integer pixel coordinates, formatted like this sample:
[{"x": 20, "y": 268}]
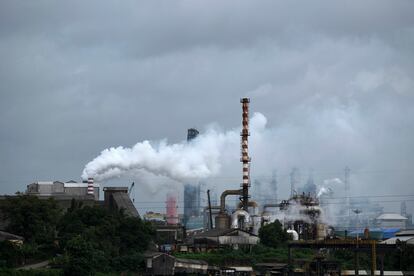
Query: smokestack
[
  {"x": 172, "y": 216},
  {"x": 245, "y": 159},
  {"x": 90, "y": 186}
]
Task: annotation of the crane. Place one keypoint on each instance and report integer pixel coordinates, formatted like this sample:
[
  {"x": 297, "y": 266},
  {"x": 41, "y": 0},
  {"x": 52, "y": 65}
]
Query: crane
[{"x": 131, "y": 190}]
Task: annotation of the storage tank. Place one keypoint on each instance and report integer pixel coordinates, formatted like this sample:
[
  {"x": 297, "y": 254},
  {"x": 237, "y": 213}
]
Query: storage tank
[{"x": 222, "y": 221}]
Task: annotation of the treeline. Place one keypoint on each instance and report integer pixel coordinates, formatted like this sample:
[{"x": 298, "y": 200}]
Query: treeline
[{"x": 81, "y": 241}]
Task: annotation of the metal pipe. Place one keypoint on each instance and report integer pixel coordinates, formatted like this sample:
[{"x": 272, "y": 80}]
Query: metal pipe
[
  {"x": 270, "y": 205},
  {"x": 236, "y": 215},
  {"x": 223, "y": 198},
  {"x": 295, "y": 235},
  {"x": 373, "y": 257},
  {"x": 249, "y": 204}
]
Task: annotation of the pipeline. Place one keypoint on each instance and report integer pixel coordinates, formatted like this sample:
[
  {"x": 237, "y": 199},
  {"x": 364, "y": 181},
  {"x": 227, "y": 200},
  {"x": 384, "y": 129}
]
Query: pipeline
[
  {"x": 223, "y": 198},
  {"x": 249, "y": 204},
  {"x": 295, "y": 235},
  {"x": 235, "y": 218}
]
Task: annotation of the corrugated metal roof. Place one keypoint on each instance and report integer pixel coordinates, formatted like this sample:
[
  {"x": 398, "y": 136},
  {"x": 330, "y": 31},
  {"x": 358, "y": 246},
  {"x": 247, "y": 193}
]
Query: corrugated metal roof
[
  {"x": 395, "y": 239},
  {"x": 405, "y": 233},
  {"x": 70, "y": 184},
  {"x": 191, "y": 261},
  {"x": 391, "y": 216},
  {"x": 79, "y": 185}
]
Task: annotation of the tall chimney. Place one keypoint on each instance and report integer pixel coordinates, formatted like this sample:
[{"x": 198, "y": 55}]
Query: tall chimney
[
  {"x": 90, "y": 186},
  {"x": 172, "y": 216},
  {"x": 245, "y": 159}
]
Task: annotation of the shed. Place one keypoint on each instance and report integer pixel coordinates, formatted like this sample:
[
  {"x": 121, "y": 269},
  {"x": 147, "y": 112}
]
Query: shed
[
  {"x": 226, "y": 237},
  {"x": 158, "y": 263}
]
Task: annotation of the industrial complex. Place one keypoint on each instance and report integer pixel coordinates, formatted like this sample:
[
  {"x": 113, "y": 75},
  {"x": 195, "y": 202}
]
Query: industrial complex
[{"x": 206, "y": 226}]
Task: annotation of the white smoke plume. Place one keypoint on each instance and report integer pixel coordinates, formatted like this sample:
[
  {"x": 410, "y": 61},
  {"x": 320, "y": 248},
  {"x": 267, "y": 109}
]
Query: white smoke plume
[
  {"x": 199, "y": 158},
  {"x": 333, "y": 181},
  {"x": 297, "y": 212},
  {"x": 323, "y": 191},
  {"x": 327, "y": 187}
]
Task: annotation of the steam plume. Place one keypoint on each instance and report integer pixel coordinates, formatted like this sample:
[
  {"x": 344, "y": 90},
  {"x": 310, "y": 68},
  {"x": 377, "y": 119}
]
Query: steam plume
[{"x": 200, "y": 158}]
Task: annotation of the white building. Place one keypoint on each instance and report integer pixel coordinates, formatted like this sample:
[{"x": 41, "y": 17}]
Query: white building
[
  {"x": 391, "y": 220},
  {"x": 57, "y": 188}
]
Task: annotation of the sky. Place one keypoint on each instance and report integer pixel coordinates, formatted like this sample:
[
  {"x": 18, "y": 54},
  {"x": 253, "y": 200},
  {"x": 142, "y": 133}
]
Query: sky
[{"x": 332, "y": 83}]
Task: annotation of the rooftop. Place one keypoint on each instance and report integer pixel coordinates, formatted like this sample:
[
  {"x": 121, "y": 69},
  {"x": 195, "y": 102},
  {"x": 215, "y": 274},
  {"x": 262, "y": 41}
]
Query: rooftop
[{"x": 391, "y": 216}]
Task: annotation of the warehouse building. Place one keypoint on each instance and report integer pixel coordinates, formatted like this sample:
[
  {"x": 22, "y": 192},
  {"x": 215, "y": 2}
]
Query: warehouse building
[{"x": 59, "y": 189}]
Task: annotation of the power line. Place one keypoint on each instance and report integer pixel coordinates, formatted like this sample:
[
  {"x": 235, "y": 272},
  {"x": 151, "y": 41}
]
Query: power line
[{"x": 264, "y": 198}]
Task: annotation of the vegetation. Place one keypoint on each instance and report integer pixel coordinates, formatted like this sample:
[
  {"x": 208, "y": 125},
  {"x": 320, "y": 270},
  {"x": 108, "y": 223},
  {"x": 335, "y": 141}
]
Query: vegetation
[
  {"x": 258, "y": 254},
  {"x": 82, "y": 241},
  {"x": 273, "y": 235},
  {"x": 95, "y": 241}
]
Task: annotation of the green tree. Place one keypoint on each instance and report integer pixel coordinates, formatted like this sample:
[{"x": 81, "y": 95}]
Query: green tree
[
  {"x": 33, "y": 218},
  {"x": 10, "y": 255},
  {"x": 82, "y": 258},
  {"x": 116, "y": 237},
  {"x": 273, "y": 235}
]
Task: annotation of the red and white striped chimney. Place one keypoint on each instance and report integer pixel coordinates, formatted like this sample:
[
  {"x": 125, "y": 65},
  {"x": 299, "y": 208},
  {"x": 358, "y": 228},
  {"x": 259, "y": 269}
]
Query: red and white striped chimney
[
  {"x": 90, "y": 186},
  {"x": 245, "y": 159}
]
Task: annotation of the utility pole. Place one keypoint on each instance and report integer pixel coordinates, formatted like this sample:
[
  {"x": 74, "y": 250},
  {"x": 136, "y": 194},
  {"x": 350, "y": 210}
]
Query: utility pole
[
  {"x": 293, "y": 181},
  {"x": 273, "y": 184},
  {"x": 357, "y": 212},
  {"x": 347, "y": 192}
]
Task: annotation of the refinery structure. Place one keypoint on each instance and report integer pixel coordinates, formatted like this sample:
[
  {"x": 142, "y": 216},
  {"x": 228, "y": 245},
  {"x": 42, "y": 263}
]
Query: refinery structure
[{"x": 207, "y": 224}]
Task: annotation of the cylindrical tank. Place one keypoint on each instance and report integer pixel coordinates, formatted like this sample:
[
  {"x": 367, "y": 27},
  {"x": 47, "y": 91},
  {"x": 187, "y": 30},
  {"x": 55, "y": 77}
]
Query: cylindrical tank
[
  {"x": 321, "y": 234},
  {"x": 222, "y": 221}
]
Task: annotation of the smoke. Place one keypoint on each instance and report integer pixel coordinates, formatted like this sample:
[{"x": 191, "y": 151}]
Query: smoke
[
  {"x": 200, "y": 158},
  {"x": 323, "y": 191},
  {"x": 297, "y": 212},
  {"x": 325, "y": 188},
  {"x": 333, "y": 181}
]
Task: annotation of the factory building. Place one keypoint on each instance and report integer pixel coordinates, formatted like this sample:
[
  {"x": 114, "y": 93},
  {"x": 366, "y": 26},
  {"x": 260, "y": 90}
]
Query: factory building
[
  {"x": 59, "y": 189},
  {"x": 87, "y": 192},
  {"x": 117, "y": 198},
  {"x": 390, "y": 220},
  {"x": 192, "y": 204}
]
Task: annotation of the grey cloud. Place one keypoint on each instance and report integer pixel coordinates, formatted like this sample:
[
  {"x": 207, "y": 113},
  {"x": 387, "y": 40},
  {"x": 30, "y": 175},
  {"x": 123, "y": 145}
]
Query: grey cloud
[{"x": 333, "y": 79}]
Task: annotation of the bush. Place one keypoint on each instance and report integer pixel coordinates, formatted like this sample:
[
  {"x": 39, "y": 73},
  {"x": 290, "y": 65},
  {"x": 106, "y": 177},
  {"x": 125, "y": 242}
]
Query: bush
[
  {"x": 82, "y": 258},
  {"x": 273, "y": 235}
]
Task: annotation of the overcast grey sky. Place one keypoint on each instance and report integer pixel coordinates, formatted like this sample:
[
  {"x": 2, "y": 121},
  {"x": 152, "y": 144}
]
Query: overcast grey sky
[{"x": 333, "y": 78}]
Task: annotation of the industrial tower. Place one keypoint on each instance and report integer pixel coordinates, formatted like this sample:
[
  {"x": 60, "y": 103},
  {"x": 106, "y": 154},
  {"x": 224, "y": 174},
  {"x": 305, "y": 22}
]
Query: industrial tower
[{"x": 245, "y": 159}]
